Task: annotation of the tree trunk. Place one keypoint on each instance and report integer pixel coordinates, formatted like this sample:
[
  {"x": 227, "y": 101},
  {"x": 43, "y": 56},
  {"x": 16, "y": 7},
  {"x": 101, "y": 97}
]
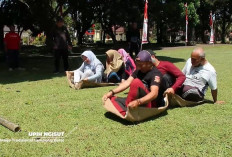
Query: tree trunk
[
  {"x": 110, "y": 32},
  {"x": 80, "y": 38},
  {"x": 159, "y": 34},
  {"x": 202, "y": 22},
  {"x": 223, "y": 26},
  {"x": 104, "y": 37},
  {"x": 1, "y": 38},
  {"x": 193, "y": 34}
]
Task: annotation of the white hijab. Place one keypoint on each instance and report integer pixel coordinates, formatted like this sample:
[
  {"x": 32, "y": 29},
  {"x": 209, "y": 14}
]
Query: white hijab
[{"x": 93, "y": 61}]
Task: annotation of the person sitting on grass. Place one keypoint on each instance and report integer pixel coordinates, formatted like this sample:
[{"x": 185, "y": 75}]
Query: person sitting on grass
[
  {"x": 199, "y": 75},
  {"x": 91, "y": 70},
  {"x": 144, "y": 86},
  {"x": 115, "y": 68},
  {"x": 173, "y": 77},
  {"x": 129, "y": 64}
]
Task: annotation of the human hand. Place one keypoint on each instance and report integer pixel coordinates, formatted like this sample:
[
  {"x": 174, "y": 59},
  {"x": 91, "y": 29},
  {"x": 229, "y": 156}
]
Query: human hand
[
  {"x": 106, "y": 96},
  {"x": 169, "y": 90},
  {"x": 219, "y": 102},
  {"x": 69, "y": 47},
  {"x": 133, "y": 104}
]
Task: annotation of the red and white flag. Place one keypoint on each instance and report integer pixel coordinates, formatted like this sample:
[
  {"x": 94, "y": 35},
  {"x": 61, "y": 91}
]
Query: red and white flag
[
  {"x": 186, "y": 22},
  {"x": 145, "y": 22},
  {"x": 211, "y": 27}
]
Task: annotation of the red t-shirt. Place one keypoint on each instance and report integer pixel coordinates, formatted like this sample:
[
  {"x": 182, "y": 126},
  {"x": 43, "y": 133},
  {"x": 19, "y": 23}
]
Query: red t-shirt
[
  {"x": 12, "y": 41},
  {"x": 167, "y": 67}
]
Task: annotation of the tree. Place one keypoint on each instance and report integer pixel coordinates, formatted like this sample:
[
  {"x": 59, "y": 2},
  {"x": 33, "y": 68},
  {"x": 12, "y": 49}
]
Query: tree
[
  {"x": 223, "y": 10},
  {"x": 83, "y": 15}
]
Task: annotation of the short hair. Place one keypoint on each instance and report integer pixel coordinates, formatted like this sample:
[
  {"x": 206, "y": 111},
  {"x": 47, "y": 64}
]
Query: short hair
[{"x": 200, "y": 52}]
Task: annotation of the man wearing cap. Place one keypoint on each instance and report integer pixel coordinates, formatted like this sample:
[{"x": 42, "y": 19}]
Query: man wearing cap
[
  {"x": 199, "y": 75},
  {"x": 173, "y": 78},
  {"x": 144, "y": 86}
]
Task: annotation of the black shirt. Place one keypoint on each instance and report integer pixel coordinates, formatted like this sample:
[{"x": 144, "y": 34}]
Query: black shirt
[{"x": 150, "y": 78}]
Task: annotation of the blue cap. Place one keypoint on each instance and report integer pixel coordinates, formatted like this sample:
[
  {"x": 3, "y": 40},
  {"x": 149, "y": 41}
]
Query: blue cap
[{"x": 144, "y": 56}]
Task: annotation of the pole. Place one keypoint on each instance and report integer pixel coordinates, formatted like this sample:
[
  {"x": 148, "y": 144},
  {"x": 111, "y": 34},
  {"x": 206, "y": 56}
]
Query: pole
[{"x": 11, "y": 126}]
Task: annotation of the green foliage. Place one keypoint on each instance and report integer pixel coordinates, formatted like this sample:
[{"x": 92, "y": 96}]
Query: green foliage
[
  {"x": 168, "y": 16},
  {"x": 192, "y": 12},
  {"x": 39, "y": 40},
  {"x": 39, "y": 101}
]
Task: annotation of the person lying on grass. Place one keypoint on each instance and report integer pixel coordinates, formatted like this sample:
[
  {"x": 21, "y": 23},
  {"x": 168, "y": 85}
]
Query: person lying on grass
[
  {"x": 91, "y": 70},
  {"x": 144, "y": 86},
  {"x": 199, "y": 75}
]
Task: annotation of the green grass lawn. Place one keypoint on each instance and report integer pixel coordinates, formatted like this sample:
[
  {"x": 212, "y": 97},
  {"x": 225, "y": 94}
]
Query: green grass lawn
[{"x": 39, "y": 101}]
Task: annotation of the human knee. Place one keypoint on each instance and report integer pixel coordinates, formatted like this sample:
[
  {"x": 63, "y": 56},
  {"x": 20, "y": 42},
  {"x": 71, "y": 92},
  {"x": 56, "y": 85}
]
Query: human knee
[
  {"x": 136, "y": 82},
  {"x": 88, "y": 73}
]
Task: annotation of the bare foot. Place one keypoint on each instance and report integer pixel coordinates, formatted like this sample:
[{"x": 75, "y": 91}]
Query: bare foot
[{"x": 69, "y": 78}]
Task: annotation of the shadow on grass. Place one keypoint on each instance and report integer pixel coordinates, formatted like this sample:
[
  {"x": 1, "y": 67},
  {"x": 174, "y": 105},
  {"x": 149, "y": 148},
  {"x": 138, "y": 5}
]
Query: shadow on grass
[
  {"x": 170, "y": 59},
  {"x": 113, "y": 117},
  {"x": 39, "y": 61}
]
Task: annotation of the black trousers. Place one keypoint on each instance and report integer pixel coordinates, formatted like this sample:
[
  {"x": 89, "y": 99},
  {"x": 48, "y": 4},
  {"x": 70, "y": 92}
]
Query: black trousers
[
  {"x": 61, "y": 54},
  {"x": 134, "y": 47},
  {"x": 12, "y": 57},
  {"x": 166, "y": 82}
]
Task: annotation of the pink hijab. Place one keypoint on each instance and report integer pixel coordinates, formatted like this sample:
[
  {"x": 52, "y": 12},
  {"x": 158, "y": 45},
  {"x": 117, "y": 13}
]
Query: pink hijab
[{"x": 126, "y": 57}]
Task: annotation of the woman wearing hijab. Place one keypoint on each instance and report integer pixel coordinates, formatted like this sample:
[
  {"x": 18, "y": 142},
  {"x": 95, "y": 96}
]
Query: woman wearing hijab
[
  {"x": 114, "y": 66},
  {"x": 91, "y": 70},
  {"x": 129, "y": 63}
]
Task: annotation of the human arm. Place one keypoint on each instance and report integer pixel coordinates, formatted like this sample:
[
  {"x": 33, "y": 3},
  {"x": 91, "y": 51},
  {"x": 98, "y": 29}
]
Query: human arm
[
  {"x": 214, "y": 95},
  {"x": 19, "y": 42},
  {"x": 178, "y": 76},
  {"x": 147, "y": 98},
  {"x": 107, "y": 70},
  {"x": 122, "y": 86},
  {"x": 98, "y": 73}
]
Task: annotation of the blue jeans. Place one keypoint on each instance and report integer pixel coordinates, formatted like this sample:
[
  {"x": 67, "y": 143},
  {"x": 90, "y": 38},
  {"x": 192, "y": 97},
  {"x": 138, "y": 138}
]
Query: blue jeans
[{"x": 113, "y": 77}]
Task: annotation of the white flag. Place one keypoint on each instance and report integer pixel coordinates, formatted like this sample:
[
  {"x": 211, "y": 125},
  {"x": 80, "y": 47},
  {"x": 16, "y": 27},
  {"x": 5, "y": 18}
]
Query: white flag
[
  {"x": 211, "y": 29},
  {"x": 145, "y": 22}
]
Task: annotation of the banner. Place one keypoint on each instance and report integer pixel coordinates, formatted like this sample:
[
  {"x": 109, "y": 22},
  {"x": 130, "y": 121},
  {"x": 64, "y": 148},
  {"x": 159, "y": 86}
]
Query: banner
[
  {"x": 145, "y": 22},
  {"x": 186, "y": 23},
  {"x": 211, "y": 27}
]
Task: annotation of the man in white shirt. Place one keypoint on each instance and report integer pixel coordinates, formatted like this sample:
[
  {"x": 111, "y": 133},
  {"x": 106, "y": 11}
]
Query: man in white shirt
[{"x": 199, "y": 75}]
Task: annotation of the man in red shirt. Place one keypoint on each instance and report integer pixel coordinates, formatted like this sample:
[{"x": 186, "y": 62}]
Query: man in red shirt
[
  {"x": 12, "y": 45},
  {"x": 173, "y": 78}
]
